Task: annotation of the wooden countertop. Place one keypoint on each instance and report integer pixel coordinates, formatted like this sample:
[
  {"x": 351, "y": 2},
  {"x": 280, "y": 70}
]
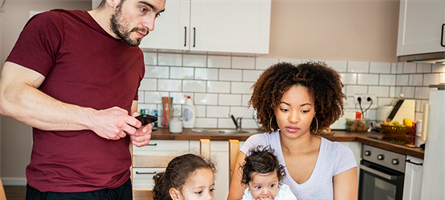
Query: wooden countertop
[{"x": 340, "y": 136}]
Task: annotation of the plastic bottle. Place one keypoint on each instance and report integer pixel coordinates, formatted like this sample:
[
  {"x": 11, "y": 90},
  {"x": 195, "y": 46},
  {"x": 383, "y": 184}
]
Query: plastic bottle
[{"x": 188, "y": 117}]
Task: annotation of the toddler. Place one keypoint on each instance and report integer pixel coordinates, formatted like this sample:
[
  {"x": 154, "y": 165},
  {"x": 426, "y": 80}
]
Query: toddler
[
  {"x": 262, "y": 174},
  {"x": 187, "y": 177}
]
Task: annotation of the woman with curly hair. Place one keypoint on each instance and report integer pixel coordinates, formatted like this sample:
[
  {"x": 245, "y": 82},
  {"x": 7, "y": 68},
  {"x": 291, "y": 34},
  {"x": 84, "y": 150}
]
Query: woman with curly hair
[
  {"x": 262, "y": 173},
  {"x": 292, "y": 104},
  {"x": 187, "y": 177}
]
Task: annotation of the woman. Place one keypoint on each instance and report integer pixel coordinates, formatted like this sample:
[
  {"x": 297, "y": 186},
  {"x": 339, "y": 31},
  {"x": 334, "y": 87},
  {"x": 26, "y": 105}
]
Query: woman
[{"x": 293, "y": 103}]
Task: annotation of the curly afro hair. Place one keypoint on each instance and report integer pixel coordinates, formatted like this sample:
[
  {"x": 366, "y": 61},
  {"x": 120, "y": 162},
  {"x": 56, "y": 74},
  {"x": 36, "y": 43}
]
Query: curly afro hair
[
  {"x": 261, "y": 160},
  {"x": 323, "y": 83}
]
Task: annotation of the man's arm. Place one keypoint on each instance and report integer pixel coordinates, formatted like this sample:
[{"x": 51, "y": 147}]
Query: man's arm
[{"x": 21, "y": 100}]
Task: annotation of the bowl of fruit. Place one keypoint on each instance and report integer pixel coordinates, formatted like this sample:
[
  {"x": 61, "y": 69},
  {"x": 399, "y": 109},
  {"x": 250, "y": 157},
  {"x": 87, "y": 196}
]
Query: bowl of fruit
[{"x": 395, "y": 128}]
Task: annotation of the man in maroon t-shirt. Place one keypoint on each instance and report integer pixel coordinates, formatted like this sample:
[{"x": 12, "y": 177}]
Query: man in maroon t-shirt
[{"x": 73, "y": 76}]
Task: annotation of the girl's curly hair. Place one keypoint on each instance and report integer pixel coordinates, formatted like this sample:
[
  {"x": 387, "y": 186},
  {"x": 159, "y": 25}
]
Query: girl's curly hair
[
  {"x": 261, "y": 160},
  {"x": 323, "y": 83},
  {"x": 176, "y": 174}
]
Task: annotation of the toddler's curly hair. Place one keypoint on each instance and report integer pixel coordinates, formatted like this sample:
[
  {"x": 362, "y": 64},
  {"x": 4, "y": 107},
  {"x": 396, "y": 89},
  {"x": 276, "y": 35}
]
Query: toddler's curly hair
[{"x": 261, "y": 160}]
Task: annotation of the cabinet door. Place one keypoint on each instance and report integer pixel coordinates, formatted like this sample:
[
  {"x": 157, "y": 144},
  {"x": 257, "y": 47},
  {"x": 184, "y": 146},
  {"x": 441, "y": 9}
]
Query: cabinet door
[
  {"x": 420, "y": 26},
  {"x": 412, "y": 185},
  {"x": 240, "y": 26},
  {"x": 171, "y": 28}
]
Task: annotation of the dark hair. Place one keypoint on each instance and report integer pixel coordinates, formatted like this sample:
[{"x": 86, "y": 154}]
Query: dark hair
[
  {"x": 261, "y": 160},
  {"x": 323, "y": 83},
  {"x": 176, "y": 174}
]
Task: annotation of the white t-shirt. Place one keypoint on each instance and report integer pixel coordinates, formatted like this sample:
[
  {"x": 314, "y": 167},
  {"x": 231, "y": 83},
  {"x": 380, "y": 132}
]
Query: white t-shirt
[
  {"x": 284, "y": 193},
  {"x": 333, "y": 158}
]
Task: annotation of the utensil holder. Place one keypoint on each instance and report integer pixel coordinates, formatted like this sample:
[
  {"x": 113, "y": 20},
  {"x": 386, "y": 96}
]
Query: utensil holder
[{"x": 167, "y": 106}]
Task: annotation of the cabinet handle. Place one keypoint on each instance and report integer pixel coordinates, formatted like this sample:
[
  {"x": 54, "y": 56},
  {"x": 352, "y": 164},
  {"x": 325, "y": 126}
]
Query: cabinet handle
[
  {"x": 155, "y": 144},
  {"x": 414, "y": 163},
  {"x": 194, "y": 36},
  {"x": 185, "y": 35},
  {"x": 145, "y": 172},
  {"x": 441, "y": 36},
  {"x": 425, "y": 120}
]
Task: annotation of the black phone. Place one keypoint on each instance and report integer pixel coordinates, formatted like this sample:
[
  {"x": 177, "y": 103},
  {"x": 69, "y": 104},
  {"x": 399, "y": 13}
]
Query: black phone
[{"x": 146, "y": 119}]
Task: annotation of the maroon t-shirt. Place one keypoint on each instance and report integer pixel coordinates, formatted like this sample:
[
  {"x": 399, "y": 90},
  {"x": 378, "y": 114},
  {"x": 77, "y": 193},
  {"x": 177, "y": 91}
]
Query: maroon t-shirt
[{"x": 85, "y": 66}]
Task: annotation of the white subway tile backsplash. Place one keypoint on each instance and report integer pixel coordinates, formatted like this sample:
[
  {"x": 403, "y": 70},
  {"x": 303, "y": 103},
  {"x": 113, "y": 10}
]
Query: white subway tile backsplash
[
  {"x": 384, "y": 101},
  {"x": 415, "y": 79},
  {"x": 218, "y": 111},
  {"x": 380, "y": 68},
  {"x": 194, "y": 86},
  {"x": 348, "y": 78},
  {"x": 397, "y": 91},
  {"x": 292, "y": 61},
  {"x": 423, "y": 68},
  {"x": 181, "y": 72},
  {"x": 368, "y": 79},
  {"x": 245, "y": 99},
  {"x": 225, "y": 123},
  {"x": 355, "y": 66},
  {"x": 229, "y": 99},
  {"x": 442, "y": 78},
  {"x": 430, "y": 79},
  {"x": 241, "y": 88},
  {"x": 408, "y": 92},
  {"x": 219, "y": 61},
  {"x": 201, "y": 111},
  {"x": 418, "y": 106},
  {"x": 169, "y": 85},
  {"x": 249, "y": 123},
  {"x": 148, "y": 84},
  {"x": 157, "y": 72},
  {"x": 251, "y": 75},
  {"x": 399, "y": 68},
  {"x": 393, "y": 68},
  {"x": 349, "y": 102},
  {"x": 243, "y": 112},
  {"x": 169, "y": 59},
  {"x": 402, "y": 80},
  {"x": 389, "y": 79},
  {"x": 194, "y": 60},
  {"x": 218, "y": 87},
  {"x": 206, "y": 74},
  {"x": 243, "y": 63},
  {"x": 264, "y": 63},
  {"x": 379, "y": 91},
  {"x": 179, "y": 97},
  {"x": 141, "y": 97},
  {"x": 206, "y": 123},
  {"x": 230, "y": 74},
  {"x": 206, "y": 99},
  {"x": 339, "y": 66},
  {"x": 351, "y": 90},
  {"x": 392, "y": 91},
  {"x": 154, "y": 97},
  {"x": 150, "y": 58},
  {"x": 409, "y": 68},
  {"x": 422, "y": 93},
  {"x": 438, "y": 68}
]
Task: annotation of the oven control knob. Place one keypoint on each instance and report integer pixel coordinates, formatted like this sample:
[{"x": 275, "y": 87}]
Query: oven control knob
[
  {"x": 395, "y": 161},
  {"x": 380, "y": 157},
  {"x": 367, "y": 153}
]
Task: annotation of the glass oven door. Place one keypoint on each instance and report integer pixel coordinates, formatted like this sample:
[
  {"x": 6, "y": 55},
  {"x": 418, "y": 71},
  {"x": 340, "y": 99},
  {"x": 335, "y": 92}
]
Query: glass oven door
[{"x": 379, "y": 183}]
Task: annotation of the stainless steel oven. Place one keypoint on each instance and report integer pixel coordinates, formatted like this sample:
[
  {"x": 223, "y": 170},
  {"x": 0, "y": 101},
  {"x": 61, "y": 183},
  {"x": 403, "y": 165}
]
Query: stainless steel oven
[{"x": 382, "y": 174}]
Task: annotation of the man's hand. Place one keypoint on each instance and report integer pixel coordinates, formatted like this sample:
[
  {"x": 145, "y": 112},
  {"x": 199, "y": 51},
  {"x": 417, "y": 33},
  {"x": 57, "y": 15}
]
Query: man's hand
[
  {"x": 141, "y": 136},
  {"x": 113, "y": 123}
]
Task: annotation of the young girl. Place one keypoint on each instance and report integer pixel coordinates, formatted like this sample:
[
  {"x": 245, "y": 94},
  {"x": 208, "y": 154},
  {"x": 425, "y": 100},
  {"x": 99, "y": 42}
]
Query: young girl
[
  {"x": 262, "y": 174},
  {"x": 187, "y": 177},
  {"x": 292, "y": 104}
]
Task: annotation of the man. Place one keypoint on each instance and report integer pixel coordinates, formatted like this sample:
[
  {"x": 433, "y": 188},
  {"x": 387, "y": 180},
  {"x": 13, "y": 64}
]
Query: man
[{"x": 73, "y": 76}]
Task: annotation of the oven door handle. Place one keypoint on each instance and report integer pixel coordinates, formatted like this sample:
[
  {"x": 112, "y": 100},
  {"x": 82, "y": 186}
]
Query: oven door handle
[{"x": 379, "y": 173}]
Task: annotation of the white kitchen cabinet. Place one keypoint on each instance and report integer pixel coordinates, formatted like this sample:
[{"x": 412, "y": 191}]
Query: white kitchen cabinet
[
  {"x": 240, "y": 26},
  {"x": 420, "y": 26},
  {"x": 412, "y": 186},
  {"x": 143, "y": 177}
]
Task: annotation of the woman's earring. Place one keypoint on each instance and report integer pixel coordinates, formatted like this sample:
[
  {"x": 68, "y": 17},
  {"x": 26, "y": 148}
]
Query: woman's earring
[
  {"x": 316, "y": 122},
  {"x": 270, "y": 123}
]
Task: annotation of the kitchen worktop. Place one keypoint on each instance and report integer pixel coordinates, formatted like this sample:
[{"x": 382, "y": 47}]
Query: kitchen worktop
[{"x": 340, "y": 136}]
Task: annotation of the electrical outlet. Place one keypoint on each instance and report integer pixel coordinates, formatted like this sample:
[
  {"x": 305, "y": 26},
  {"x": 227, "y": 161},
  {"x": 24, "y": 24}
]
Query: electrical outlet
[{"x": 365, "y": 99}]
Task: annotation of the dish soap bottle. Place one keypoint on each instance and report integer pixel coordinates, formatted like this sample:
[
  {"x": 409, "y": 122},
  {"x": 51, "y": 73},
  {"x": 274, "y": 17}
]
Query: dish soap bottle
[{"x": 188, "y": 114}]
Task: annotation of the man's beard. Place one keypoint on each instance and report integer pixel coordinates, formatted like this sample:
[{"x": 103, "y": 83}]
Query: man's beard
[{"x": 119, "y": 30}]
